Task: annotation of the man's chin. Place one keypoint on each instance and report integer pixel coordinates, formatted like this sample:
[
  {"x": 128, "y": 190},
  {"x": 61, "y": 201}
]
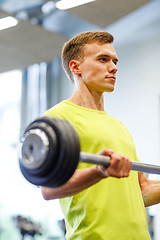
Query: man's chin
[{"x": 109, "y": 90}]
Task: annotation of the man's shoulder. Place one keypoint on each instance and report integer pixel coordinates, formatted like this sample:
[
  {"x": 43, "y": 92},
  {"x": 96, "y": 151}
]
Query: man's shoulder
[
  {"x": 64, "y": 110},
  {"x": 58, "y": 109}
]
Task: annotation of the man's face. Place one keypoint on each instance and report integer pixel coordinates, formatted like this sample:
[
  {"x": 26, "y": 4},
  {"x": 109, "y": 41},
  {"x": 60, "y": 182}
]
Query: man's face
[{"x": 98, "y": 68}]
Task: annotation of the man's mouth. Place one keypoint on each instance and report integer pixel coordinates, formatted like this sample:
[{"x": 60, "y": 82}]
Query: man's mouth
[{"x": 111, "y": 77}]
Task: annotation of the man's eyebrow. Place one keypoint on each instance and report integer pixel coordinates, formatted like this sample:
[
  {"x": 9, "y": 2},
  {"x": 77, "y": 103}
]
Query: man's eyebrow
[{"x": 108, "y": 56}]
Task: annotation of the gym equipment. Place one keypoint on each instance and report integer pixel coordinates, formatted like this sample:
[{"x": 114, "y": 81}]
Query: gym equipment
[
  {"x": 49, "y": 152},
  {"x": 27, "y": 227}
]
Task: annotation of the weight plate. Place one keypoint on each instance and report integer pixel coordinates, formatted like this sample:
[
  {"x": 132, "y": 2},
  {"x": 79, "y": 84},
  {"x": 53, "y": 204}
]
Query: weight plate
[
  {"x": 61, "y": 171},
  {"x": 67, "y": 162},
  {"x": 62, "y": 164},
  {"x": 72, "y": 146},
  {"x": 32, "y": 174}
]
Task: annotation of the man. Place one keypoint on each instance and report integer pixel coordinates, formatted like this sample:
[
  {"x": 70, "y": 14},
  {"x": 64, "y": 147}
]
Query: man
[{"x": 100, "y": 203}]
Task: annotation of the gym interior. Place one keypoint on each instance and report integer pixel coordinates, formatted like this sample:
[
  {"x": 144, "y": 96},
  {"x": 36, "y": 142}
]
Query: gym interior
[{"x": 32, "y": 80}]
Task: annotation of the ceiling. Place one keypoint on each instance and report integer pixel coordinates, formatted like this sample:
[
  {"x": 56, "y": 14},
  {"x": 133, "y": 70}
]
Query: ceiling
[
  {"x": 26, "y": 44},
  {"x": 39, "y": 36},
  {"x": 105, "y": 12}
]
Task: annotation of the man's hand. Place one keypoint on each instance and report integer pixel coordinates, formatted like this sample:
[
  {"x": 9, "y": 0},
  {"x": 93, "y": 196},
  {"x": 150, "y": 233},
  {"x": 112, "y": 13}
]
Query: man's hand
[
  {"x": 82, "y": 179},
  {"x": 120, "y": 165}
]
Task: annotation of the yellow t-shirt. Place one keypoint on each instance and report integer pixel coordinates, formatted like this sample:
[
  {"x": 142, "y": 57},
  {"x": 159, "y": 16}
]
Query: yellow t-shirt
[{"x": 112, "y": 209}]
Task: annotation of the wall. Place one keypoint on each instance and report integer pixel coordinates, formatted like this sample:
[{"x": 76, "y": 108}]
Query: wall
[{"x": 136, "y": 97}]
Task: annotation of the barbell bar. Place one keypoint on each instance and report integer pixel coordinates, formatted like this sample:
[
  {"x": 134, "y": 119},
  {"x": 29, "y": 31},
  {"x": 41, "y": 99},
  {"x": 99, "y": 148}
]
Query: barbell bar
[
  {"x": 49, "y": 153},
  {"x": 104, "y": 160}
]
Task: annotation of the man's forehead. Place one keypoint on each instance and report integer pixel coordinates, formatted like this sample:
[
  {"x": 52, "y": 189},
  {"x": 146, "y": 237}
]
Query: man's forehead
[{"x": 99, "y": 48}]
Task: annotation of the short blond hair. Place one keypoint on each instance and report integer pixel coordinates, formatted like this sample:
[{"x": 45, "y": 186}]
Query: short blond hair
[{"x": 74, "y": 48}]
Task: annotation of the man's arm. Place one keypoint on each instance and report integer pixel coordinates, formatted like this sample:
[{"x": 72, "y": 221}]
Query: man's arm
[
  {"x": 81, "y": 179},
  {"x": 120, "y": 166},
  {"x": 150, "y": 190}
]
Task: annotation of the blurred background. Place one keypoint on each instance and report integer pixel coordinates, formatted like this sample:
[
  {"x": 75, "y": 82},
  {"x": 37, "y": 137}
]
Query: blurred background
[{"x": 32, "y": 80}]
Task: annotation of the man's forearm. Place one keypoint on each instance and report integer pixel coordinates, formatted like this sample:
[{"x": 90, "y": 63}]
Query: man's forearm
[
  {"x": 150, "y": 190},
  {"x": 151, "y": 193},
  {"x": 81, "y": 179}
]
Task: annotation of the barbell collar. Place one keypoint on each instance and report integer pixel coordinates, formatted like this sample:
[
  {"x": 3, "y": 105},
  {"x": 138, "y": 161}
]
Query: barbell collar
[{"x": 33, "y": 148}]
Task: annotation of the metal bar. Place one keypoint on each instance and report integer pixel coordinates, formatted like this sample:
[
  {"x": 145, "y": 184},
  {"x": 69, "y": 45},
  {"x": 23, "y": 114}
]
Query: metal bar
[
  {"x": 105, "y": 161},
  {"x": 144, "y": 167},
  {"x": 94, "y": 159}
]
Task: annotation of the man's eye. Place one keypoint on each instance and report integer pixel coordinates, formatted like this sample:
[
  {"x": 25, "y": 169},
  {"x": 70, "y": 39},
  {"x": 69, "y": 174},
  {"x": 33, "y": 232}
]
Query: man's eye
[{"x": 103, "y": 59}]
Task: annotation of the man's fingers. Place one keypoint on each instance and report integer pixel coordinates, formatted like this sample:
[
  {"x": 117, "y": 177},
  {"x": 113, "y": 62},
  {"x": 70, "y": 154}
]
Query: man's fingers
[
  {"x": 120, "y": 165},
  {"x": 106, "y": 152}
]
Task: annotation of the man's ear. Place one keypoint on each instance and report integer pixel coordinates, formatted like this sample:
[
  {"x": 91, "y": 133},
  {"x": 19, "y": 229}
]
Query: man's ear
[{"x": 74, "y": 66}]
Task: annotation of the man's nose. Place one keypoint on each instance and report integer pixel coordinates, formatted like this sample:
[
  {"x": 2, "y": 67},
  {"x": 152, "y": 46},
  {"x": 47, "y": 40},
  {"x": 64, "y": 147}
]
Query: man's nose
[{"x": 113, "y": 68}]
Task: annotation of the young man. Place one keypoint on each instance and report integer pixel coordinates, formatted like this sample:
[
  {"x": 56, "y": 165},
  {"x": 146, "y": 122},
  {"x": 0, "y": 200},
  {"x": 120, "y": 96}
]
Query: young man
[{"x": 100, "y": 203}]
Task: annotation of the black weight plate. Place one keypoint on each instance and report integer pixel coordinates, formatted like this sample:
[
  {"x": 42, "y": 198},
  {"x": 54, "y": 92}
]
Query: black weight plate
[
  {"x": 60, "y": 174},
  {"x": 50, "y": 179},
  {"x": 63, "y": 167},
  {"x": 73, "y": 149},
  {"x": 68, "y": 154},
  {"x": 51, "y": 157}
]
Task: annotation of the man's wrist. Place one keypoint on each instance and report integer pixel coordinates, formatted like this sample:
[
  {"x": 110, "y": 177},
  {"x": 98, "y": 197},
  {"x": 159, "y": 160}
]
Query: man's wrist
[{"x": 103, "y": 171}]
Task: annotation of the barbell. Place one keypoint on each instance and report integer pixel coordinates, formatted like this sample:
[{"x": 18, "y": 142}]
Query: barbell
[{"x": 49, "y": 153}]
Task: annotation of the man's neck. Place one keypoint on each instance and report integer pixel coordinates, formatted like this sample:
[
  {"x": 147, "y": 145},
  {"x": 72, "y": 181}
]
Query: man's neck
[{"x": 85, "y": 98}]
